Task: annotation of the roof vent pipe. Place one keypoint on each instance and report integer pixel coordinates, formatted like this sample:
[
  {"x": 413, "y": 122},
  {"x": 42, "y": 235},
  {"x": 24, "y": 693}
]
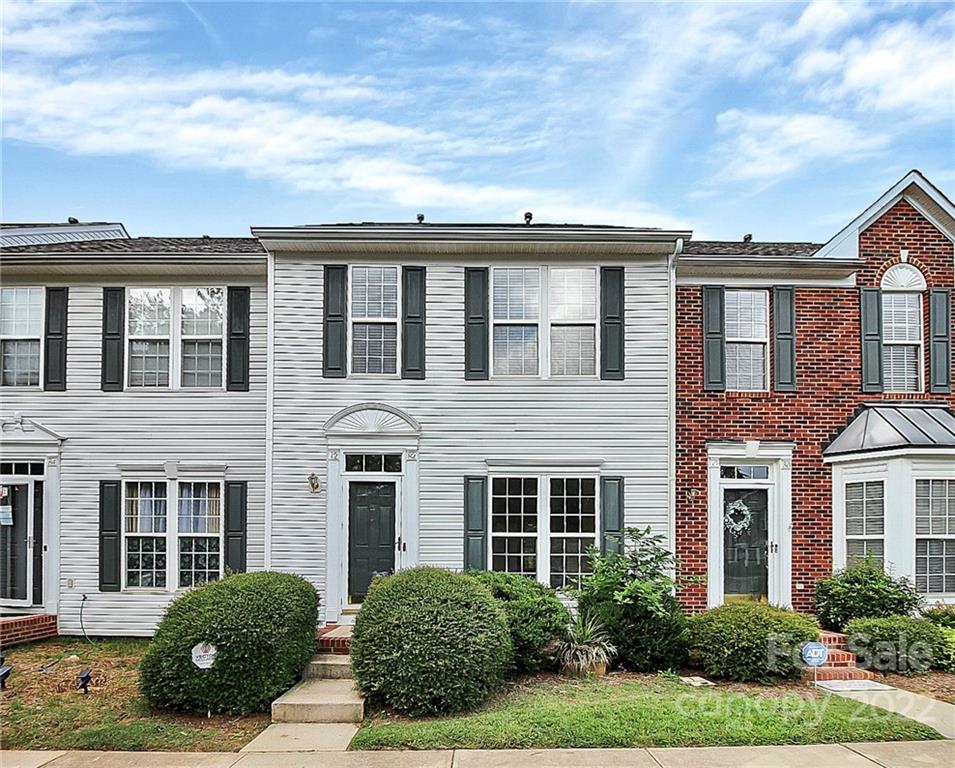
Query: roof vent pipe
[
  {"x": 527, "y": 217},
  {"x": 72, "y": 220},
  {"x": 747, "y": 238},
  {"x": 420, "y": 218}
]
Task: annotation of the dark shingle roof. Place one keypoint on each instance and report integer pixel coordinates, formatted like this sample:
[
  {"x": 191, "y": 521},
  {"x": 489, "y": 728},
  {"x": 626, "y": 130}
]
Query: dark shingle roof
[
  {"x": 199, "y": 245},
  {"x": 739, "y": 248},
  {"x": 890, "y": 426},
  {"x": 45, "y": 224}
]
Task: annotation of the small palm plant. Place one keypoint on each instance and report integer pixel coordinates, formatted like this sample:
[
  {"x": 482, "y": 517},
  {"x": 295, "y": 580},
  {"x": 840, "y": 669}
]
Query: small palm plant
[{"x": 586, "y": 649}]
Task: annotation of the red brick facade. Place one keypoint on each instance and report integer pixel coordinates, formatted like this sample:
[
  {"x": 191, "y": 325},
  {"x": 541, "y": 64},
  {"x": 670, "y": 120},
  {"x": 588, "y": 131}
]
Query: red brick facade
[
  {"x": 828, "y": 362},
  {"x": 25, "y": 629}
]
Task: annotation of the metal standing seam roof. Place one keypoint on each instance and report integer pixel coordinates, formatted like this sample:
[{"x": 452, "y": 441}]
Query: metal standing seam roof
[{"x": 888, "y": 427}]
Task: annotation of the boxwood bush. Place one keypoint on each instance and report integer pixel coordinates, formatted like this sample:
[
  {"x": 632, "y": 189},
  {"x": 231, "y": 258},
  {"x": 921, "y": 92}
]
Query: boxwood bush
[
  {"x": 897, "y": 644},
  {"x": 750, "y": 641},
  {"x": 537, "y": 619},
  {"x": 863, "y": 590},
  {"x": 263, "y": 627},
  {"x": 429, "y": 641}
]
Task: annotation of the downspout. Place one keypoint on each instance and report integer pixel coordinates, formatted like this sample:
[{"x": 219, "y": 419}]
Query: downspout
[
  {"x": 269, "y": 406},
  {"x": 671, "y": 400}
]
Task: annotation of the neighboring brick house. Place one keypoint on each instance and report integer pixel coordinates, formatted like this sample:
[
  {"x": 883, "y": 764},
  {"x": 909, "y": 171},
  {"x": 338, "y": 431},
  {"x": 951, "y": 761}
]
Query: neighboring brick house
[{"x": 782, "y": 347}]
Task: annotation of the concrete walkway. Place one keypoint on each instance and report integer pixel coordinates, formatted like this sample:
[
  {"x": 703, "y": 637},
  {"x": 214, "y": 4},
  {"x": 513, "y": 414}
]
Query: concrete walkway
[
  {"x": 913, "y": 754},
  {"x": 923, "y": 709}
]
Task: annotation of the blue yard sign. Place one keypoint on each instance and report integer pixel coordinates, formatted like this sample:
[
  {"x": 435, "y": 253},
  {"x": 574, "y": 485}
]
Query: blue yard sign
[{"x": 814, "y": 654}]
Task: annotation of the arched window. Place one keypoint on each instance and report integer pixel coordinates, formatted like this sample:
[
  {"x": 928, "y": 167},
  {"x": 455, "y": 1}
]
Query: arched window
[{"x": 902, "y": 362}]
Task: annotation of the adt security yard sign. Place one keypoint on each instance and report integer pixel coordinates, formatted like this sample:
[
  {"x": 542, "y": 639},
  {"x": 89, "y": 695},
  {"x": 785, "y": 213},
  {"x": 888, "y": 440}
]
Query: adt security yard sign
[
  {"x": 814, "y": 654},
  {"x": 204, "y": 655}
]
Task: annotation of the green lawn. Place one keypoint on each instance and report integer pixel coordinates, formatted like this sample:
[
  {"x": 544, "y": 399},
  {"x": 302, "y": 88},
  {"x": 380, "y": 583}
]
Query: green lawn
[
  {"x": 41, "y": 708},
  {"x": 643, "y": 711}
]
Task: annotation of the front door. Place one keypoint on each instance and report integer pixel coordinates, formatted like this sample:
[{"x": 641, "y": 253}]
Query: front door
[
  {"x": 746, "y": 544},
  {"x": 371, "y": 534},
  {"x": 16, "y": 571}
]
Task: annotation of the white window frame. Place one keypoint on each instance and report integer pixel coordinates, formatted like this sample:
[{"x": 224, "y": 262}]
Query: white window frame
[
  {"x": 863, "y": 537},
  {"x": 352, "y": 320},
  {"x": 543, "y": 534},
  {"x": 544, "y": 323},
  {"x": 754, "y": 340},
  {"x": 929, "y": 536},
  {"x": 40, "y": 338},
  {"x": 172, "y": 534},
  {"x": 920, "y": 345},
  {"x": 174, "y": 338}
]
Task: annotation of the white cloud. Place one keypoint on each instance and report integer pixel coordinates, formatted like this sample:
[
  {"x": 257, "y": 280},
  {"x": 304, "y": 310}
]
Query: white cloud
[{"x": 765, "y": 147}]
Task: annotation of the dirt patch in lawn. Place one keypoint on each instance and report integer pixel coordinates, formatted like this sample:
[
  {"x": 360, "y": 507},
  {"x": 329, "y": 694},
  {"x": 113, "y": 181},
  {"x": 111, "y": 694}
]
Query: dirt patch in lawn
[
  {"x": 938, "y": 685},
  {"x": 42, "y": 707}
]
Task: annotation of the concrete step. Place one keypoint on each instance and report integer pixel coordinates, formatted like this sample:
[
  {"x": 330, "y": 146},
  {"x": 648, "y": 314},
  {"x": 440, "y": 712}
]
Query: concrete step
[
  {"x": 319, "y": 701},
  {"x": 329, "y": 666},
  {"x": 838, "y": 673}
]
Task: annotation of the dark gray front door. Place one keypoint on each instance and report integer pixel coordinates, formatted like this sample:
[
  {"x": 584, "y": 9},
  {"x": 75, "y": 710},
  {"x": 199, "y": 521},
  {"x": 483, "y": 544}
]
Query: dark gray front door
[
  {"x": 13, "y": 544},
  {"x": 371, "y": 534},
  {"x": 746, "y": 544}
]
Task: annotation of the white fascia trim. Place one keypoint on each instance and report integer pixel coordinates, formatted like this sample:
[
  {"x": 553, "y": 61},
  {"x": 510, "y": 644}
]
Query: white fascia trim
[
  {"x": 768, "y": 282},
  {"x": 269, "y": 409},
  {"x": 867, "y": 456}
]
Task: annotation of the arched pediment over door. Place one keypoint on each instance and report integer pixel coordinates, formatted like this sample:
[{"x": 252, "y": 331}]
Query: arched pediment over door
[{"x": 371, "y": 419}]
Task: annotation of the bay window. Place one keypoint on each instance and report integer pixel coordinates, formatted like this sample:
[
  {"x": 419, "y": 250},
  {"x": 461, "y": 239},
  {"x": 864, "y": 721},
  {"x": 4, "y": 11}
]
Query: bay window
[
  {"x": 935, "y": 536},
  {"x": 902, "y": 342},
  {"x": 21, "y": 331},
  {"x": 543, "y": 526},
  {"x": 747, "y": 340},
  {"x": 373, "y": 316}
]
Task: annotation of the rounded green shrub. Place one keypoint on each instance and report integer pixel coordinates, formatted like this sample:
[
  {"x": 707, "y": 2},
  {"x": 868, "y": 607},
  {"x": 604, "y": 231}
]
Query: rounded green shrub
[
  {"x": 896, "y": 644},
  {"x": 941, "y": 615},
  {"x": 750, "y": 641},
  {"x": 946, "y": 660},
  {"x": 263, "y": 627},
  {"x": 429, "y": 641},
  {"x": 863, "y": 591},
  {"x": 536, "y": 618}
]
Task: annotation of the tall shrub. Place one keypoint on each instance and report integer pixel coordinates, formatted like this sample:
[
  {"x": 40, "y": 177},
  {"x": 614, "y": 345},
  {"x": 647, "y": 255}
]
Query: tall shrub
[
  {"x": 536, "y": 618},
  {"x": 863, "y": 590},
  {"x": 633, "y": 595},
  {"x": 263, "y": 627},
  {"x": 429, "y": 641}
]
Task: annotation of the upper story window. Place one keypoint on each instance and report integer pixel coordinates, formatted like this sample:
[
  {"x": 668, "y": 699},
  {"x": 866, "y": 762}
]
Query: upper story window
[
  {"x": 544, "y": 319},
  {"x": 747, "y": 340},
  {"x": 175, "y": 335},
  {"x": 21, "y": 329},
  {"x": 373, "y": 314}
]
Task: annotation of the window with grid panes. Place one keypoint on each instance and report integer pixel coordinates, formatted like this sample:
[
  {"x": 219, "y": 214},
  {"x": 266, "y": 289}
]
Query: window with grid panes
[
  {"x": 573, "y": 528},
  {"x": 21, "y": 331},
  {"x": 145, "y": 521},
  {"x": 203, "y": 323},
  {"x": 514, "y": 525},
  {"x": 901, "y": 341},
  {"x": 747, "y": 339},
  {"x": 149, "y": 332},
  {"x": 373, "y": 298},
  {"x": 935, "y": 536},
  {"x": 199, "y": 532},
  {"x": 865, "y": 521}
]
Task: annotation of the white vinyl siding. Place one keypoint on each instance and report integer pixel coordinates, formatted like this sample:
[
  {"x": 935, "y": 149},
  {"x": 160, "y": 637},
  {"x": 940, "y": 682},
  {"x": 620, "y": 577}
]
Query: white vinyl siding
[
  {"x": 865, "y": 521},
  {"x": 373, "y": 314},
  {"x": 902, "y": 342},
  {"x": 935, "y": 532},
  {"x": 747, "y": 340},
  {"x": 21, "y": 331}
]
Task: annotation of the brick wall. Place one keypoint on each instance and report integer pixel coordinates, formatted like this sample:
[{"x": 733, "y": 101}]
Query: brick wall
[
  {"x": 24, "y": 629},
  {"x": 828, "y": 360}
]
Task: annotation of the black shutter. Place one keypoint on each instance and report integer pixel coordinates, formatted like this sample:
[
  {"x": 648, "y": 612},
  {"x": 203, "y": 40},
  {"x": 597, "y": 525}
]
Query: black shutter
[
  {"x": 335, "y": 337},
  {"x": 612, "y": 363},
  {"x": 237, "y": 359},
  {"x": 475, "y": 323},
  {"x": 611, "y": 514},
  {"x": 475, "y": 523},
  {"x": 871, "y": 315},
  {"x": 940, "y": 352},
  {"x": 38, "y": 542},
  {"x": 236, "y": 500},
  {"x": 110, "y": 519},
  {"x": 784, "y": 339},
  {"x": 714, "y": 338},
  {"x": 114, "y": 322},
  {"x": 413, "y": 310},
  {"x": 54, "y": 355}
]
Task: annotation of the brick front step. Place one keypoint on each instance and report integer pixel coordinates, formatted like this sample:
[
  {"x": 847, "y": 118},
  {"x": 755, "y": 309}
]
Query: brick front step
[
  {"x": 838, "y": 673},
  {"x": 25, "y": 629},
  {"x": 838, "y": 658},
  {"x": 834, "y": 640},
  {"x": 334, "y": 638}
]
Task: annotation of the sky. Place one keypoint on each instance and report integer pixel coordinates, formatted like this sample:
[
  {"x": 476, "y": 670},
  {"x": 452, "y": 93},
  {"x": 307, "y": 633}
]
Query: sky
[{"x": 187, "y": 118}]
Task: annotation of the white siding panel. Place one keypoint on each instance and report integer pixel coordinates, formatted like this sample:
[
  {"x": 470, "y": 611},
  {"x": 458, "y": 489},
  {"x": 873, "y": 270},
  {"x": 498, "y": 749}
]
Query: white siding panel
[{"x": 104, "y": 429}]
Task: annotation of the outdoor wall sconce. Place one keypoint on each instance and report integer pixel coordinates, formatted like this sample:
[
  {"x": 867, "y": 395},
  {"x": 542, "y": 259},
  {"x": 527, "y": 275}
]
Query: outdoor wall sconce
[{"x": 314, "y": 484}]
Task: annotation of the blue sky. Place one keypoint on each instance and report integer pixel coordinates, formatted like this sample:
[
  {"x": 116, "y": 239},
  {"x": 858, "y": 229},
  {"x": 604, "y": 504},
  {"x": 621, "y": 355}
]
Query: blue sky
[{"x": 784, "y": 120}]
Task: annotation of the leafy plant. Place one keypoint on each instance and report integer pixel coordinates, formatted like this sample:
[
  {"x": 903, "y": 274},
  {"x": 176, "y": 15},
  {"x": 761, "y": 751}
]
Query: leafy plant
[
  {"x": 863, "y": 590},
  {"x": 632, "y": 593},
  {"x": 536, "y": 618},
  {"x": 897, "y": 644},
  {"x": 585, "y": 646},
  {"x": 941, "y": 615},
  {"x": 751, "y": 641},
  {"x": 429, "y": 641},
  {"x": 263, "y": 627},
  {"x": 946, "y": 658}
]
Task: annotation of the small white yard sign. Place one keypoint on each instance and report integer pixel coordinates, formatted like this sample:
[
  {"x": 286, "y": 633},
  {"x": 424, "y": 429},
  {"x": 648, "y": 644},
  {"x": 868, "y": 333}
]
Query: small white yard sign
[{"x": 204, "y": 655}]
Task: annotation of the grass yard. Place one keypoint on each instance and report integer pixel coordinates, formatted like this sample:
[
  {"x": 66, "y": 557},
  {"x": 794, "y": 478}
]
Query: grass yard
[
  {"x": 42, "y": 709},
  {"x": 642, "y": 711}
]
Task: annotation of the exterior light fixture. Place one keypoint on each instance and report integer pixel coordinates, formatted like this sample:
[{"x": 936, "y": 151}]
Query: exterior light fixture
[
  {"x": 84, "y": 679},
  {"x": 314, "y": 484}
]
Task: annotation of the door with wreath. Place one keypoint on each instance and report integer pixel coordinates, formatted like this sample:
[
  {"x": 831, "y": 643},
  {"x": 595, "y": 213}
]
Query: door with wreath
[{"x": 746, "y": 544}]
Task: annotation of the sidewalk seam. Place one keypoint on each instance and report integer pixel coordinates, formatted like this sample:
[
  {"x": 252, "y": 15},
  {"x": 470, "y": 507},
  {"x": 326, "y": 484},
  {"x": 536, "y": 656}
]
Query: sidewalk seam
[{"x": 867, "y": 757}]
